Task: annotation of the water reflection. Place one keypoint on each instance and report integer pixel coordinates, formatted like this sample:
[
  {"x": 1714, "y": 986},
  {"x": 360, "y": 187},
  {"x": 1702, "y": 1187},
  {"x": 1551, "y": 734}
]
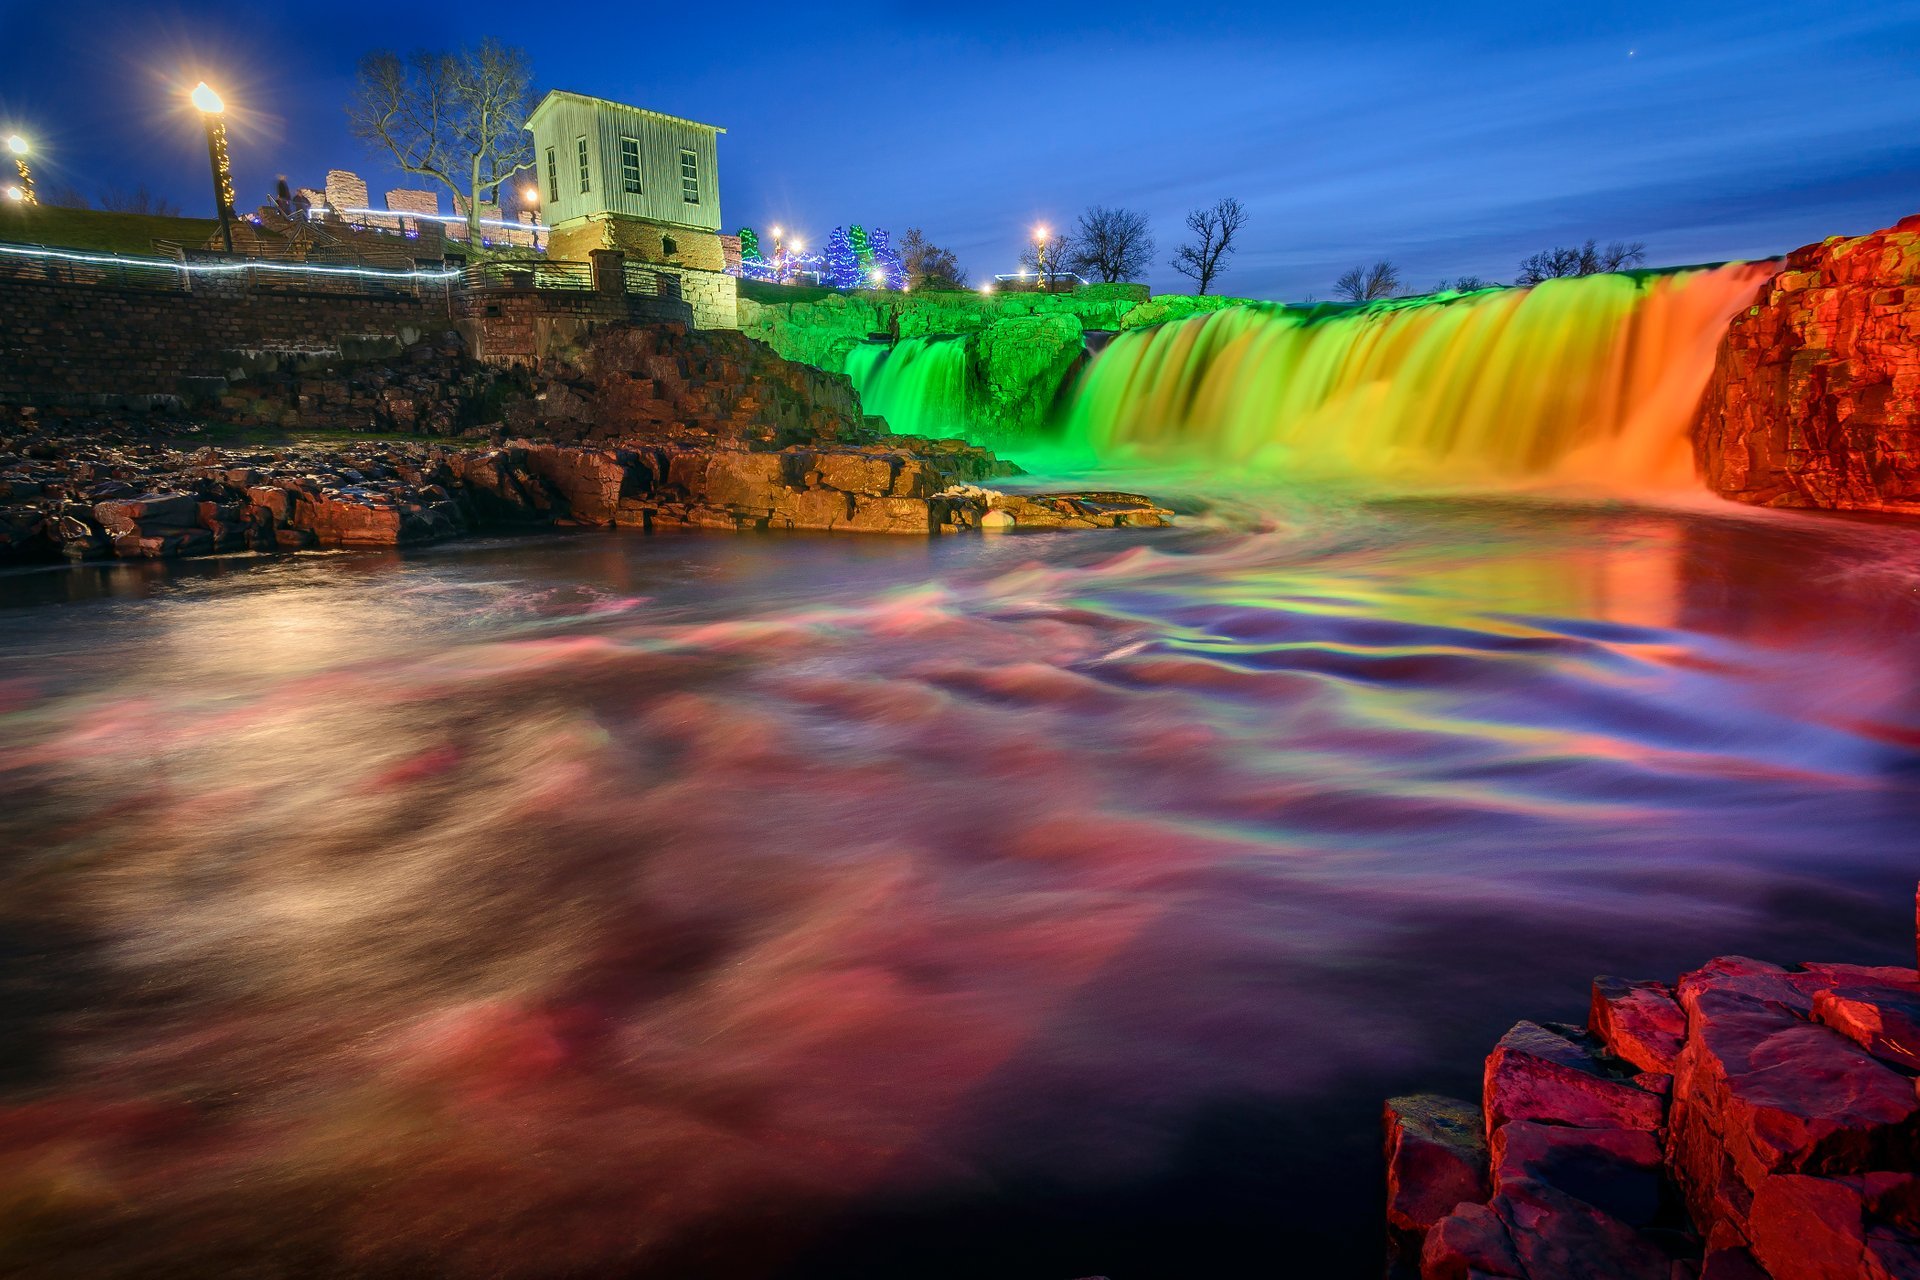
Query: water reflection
[{"x": 700, "y": 906}]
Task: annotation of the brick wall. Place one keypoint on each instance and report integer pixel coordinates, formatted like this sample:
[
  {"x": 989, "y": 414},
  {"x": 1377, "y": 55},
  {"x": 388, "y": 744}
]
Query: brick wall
[
  {"x": 81, "y": 345},
  {"x": 505, "y": 327}
]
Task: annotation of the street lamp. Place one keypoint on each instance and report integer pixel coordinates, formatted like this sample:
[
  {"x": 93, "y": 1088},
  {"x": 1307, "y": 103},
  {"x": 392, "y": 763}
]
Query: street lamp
[
  {"x": 22, "y": 194},
  {"x": 1040, "y": 256},
  {"x": 530, "y": 197},
  {"x": 211, "y": 110}
]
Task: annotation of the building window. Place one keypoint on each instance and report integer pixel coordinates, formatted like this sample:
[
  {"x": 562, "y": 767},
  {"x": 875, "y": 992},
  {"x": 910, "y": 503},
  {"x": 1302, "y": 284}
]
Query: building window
[
  {"x": 689, "y": 177},
  {"x": 668, "y": 246},
  {"x": 586, "y": 174},
  {"x": 553, "y": 177},
  {"x": 630, "y": 166}
]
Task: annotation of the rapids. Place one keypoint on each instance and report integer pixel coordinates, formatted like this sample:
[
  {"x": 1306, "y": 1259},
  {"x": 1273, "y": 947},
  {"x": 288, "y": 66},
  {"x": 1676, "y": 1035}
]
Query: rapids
[{"x": 1036, "y": 907}]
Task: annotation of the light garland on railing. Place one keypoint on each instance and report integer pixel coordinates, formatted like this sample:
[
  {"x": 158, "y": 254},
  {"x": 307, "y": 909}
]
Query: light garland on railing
[
  {"x": 216, "y": 268},
  {"x": 453, "y": 218}
]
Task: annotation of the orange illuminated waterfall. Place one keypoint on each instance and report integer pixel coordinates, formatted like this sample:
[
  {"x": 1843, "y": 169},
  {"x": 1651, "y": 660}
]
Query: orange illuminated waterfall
[{"x": 1594, "y": 379}]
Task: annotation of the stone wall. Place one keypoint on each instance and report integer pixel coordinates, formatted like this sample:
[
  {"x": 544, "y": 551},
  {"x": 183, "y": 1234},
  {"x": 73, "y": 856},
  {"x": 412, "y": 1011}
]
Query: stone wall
[
  {"x": 507, "y": 327},
  {"x": 1815, "y": 399},
  {"x": 82, "y": 346},
  {"x": 694, "y": 255}
]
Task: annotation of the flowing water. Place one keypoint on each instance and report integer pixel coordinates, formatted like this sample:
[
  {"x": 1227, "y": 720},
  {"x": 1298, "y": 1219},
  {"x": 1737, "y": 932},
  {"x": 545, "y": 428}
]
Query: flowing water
[
  {"x": 919, "y": 385},
  {"x": 807, "y": 907}
]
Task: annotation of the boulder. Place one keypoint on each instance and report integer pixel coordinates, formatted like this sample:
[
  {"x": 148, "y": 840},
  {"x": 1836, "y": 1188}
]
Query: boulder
[
  {"x": 1557, "y": 1075},
  {"x": 1639, "y": 1022},
  {"x": 1436, "y": 1160}
]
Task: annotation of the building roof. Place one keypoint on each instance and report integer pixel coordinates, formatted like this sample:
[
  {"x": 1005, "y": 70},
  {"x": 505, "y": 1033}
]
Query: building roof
[{"x": 553, "y": 94}]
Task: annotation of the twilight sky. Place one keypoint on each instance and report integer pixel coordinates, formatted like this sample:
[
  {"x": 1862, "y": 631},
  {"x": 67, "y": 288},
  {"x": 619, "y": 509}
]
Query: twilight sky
[{"x": 1450, "y": 138}]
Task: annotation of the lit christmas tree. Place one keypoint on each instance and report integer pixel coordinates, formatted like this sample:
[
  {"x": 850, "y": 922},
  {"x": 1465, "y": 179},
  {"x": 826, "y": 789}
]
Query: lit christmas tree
[
  {"x": 862, "y": 247},
  {"x": 840, "y": 264},
  {"x": 887, "y": 261},
  {"x": 750, "y": 246}
]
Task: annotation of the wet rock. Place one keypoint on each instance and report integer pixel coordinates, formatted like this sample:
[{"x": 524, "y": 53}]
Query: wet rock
[
  {"x": 1639, "y": 1022},
  {"x": 1616, "y": 1171},
  {"x": 1556, "y": 1074},
  {"x": 1436, "y": 1160},
  {"x": 1468, "y": 1244}
]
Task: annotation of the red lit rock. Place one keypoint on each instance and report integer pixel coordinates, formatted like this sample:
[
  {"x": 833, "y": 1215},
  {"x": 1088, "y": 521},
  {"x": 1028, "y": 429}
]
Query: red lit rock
[
  {"x": 1556, "y": 1075},
  {"x": 1616, "y": 1171},
  {"x": 1640, "y": 1022},
  {"x": 1805, "y": 1228},
  {"x": 1815, "y": 397},
  {"x": 1467, "y": 1244},
  {"x": 1436, "y": 1160}
]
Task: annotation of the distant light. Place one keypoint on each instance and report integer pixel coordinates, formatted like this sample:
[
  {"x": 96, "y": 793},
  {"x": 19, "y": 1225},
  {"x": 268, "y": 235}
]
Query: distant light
[
  {"x": 777, "y": 233},
  {"x": 877, "y": 276},
  {"x": 530, "y": 194},
  {"x": 207, "y": 100},
  {"x": 17, "y": 144},
  {"x": 16, "y": 194},
  {"x": 1040, "y": 232},
  {"x": 797, "y": 246},
  {"x": 986, "y": 288}
]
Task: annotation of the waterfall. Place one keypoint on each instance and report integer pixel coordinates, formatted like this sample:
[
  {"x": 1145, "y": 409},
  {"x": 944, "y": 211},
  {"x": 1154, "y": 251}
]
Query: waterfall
[
  {"x": 919, "y": 385},
  {"x": 1593, "y": 379}
]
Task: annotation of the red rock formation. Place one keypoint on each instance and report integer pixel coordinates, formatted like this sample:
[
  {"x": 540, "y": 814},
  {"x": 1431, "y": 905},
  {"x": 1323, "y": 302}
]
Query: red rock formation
[
  {"x": 1782, "y": 1142},
  {"x": 1815, "y": 398}
]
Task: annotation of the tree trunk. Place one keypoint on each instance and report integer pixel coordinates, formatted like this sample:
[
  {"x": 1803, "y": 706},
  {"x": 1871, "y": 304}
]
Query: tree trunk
[{"x": 473, "y": 209}]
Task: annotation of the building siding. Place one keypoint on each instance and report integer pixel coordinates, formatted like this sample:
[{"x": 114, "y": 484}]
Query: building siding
[{"x": 562, "y": 118}]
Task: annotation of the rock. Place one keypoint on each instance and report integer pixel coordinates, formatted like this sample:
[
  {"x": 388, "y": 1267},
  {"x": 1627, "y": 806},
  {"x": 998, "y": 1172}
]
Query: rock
[
  {"x": 175, "y": 510},
  {"x": 1470, "y": 1243},
  {"x": 1563, "y": 1237},
  {"x": 1815, "y": 397},
  {"x": 1436, "y": 1160},
  {"x": 1617, "y": 1171},
  {"x": 1759, "y": 1090},
  {"x": 1639, "y": 1022},
  {"x": 1555, "y": 1075},
  {"x": 999, "y": 522},
  {"x": 1877, "y": 1009},
  {"x": 1805, "y": 1228}
]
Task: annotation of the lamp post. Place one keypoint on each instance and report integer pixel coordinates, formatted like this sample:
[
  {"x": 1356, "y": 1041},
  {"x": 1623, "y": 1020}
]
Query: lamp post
[
  {"x": 530, "y": 197},
  {"x": 1040, "y": 256},
  {"x": 211, "y": 111},
  {"x": 779, "y": 257},
  {"x": 22, "y": 193}
]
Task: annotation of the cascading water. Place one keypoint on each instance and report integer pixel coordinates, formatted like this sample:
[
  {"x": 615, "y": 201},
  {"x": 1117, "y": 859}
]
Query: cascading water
[
  {"x": 1593, "y": 379},
  {"x": 919, "y": 385}
]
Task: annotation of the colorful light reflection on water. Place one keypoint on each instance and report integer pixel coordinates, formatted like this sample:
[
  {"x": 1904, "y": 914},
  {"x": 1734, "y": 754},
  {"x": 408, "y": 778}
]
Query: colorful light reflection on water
[{"x": 1037, "y": 907}]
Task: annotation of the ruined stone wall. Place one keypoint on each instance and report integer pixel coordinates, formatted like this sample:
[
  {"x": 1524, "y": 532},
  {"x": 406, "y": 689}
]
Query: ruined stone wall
[
  {"x": 697, "y": 257},
  {"x": 508, "y": 328},
  {"x": 90, "y": 346},
  {"x": 1815, "y": 399}
]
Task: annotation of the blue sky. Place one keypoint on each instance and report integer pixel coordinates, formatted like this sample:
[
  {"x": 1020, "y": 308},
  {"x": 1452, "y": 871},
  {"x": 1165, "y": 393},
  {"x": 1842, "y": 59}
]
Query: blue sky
[{"x": 1451, "y": 139}]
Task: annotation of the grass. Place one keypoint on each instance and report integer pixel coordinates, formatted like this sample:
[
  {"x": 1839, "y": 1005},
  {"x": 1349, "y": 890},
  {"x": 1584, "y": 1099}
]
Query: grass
[{"x": 97, "y": 230}]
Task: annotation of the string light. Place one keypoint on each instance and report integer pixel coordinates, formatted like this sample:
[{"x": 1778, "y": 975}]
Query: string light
[{"x": 219, "y": 268}]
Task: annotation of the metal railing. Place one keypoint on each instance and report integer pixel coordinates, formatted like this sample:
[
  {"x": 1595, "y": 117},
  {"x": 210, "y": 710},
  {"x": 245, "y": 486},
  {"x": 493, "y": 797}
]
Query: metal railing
[
  {"x": 648, "y": 282},
  {"x": 39, "y": 264},
  {"x": 516, "y": 274}
]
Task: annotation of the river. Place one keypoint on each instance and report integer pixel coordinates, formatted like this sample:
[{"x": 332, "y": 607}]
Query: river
[{"x": 1037, "y": 907}]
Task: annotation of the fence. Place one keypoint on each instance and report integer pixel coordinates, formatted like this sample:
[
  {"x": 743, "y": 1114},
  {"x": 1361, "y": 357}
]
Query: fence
[{"x": 201, "y": 271}]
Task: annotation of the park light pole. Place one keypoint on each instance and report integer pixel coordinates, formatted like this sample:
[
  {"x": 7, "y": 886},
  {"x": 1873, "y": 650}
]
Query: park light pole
[
  {"x": 212, "y": 109},
  {"x": 779, "y": 257},
  {"x": 530, "y": 196},
  {"x": 22, "y": 193},
  {"x": 1040, "y": 256}
]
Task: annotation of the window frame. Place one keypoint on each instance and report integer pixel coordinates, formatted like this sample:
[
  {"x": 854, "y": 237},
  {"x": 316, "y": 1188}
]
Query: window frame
[
  {"x": 689, "y": 176},
  {"x": 553, "y": 175},
  {"x": 586, "y": 166},
  {"x": 630, "y": 175}
]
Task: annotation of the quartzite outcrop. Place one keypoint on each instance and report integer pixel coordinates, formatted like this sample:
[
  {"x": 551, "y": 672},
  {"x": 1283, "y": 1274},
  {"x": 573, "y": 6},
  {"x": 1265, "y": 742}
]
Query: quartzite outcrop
[
  {"x": 1815, "y": 398},
  {"x": 1748, "y": 1123},
  {"x": 649, "y": 425}
]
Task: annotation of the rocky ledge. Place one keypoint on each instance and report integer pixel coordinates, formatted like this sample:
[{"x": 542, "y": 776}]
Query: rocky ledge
[
  {"x": 1748, "y": 1123},
  {"x": 653, "y": 425},
  {"x": 1815, "y": 398}
]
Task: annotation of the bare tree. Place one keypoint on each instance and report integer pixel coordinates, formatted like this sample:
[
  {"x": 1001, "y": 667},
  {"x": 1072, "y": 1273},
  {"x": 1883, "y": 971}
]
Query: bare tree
[
  {"x": 1112, "y": 244},
  {"x": 457, "y": 118},
  {"x": 139, "y": 200},
  {"x": 928, "y": 265},
  {"x": 1368, "y": 284},
  {"x": 1216, "y": 227},
  {"x": 65, "y": 195},
  {"x": 1587, "y": 260},
  {"x": 1048, "y": 256},
  {"x": 1467, "y": 284}
]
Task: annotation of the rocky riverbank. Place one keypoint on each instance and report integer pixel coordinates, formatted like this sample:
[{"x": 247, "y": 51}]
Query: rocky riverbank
[
  {"x": 648, "y": 425},
  {"x": 1750, "y": 1122}
]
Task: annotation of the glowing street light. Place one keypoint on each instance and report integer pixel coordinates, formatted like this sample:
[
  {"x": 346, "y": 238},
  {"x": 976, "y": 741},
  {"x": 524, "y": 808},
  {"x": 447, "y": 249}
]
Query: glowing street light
[
  {"x": 211, "y": 110},
  {"x": 878, "y": 277},
  {"x": 23, "y": 193},
  {"x": 530, "y": 197},
  {"x": 1040, "y": 255}
]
